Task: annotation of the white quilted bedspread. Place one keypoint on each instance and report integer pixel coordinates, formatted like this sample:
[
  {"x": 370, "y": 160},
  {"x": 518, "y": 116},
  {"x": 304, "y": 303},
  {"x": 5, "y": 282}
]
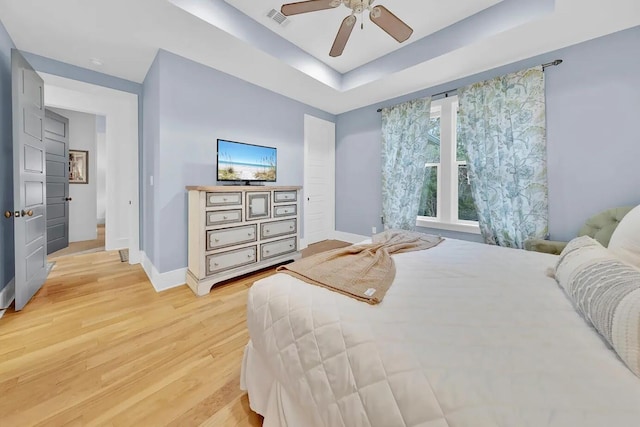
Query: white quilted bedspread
[{"x": 468, "y": 335}]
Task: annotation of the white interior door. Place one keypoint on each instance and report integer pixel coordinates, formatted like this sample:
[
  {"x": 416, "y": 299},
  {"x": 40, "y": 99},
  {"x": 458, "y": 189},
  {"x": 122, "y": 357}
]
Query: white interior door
[
  {"x": 29, "y": 179},
  {"x": 319, "y": 179}
]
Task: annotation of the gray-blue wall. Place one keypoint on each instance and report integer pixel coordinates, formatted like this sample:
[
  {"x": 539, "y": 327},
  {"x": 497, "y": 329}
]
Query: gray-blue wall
[
  {"x": 593, "y": 106},
  {"x": 7, "y": 259},
  {"x": 197, "y": 105}
]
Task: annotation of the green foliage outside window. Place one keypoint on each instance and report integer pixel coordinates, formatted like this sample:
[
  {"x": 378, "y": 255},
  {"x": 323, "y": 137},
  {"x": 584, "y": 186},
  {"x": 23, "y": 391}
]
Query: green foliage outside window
[
  {"x": 466, "y": 206},
  {"x": 429, "y": 196}
]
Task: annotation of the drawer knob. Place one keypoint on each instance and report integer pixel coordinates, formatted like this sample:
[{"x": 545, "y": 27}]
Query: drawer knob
[
  {"x": 224, "y": 199},
  {"x": 250, "y": 234},
  {"x": 249, "y": 256},
  {"x": 215, "y": 264},
  {"x": 267, "y": 251},
  {"x": 291, "y": 227},
  {"x": 267, "y": 231},
  {"x": 224, "y": 217},
  {"x": 216, "y": 240},
  {"x": 290, "y": 246}
]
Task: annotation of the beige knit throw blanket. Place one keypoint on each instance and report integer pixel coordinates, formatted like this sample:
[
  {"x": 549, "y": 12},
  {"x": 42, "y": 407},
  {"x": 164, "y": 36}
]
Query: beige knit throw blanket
[{"x": 364, "y": 272}]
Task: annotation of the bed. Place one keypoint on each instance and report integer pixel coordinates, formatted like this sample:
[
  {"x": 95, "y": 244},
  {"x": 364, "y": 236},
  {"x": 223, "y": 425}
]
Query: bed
[{"x": 467, "y": 335}]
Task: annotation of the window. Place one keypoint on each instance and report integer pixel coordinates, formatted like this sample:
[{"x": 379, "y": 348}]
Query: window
[
  {"x": 429, "y": 197},
  {"x": 446, "y": 200}
]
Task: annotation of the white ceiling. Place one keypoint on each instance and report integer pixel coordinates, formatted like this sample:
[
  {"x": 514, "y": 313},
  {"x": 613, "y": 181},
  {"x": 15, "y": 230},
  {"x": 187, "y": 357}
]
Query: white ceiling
[
  {"x": 125, "y": 35},
  {"x": 314, "y": 32}
]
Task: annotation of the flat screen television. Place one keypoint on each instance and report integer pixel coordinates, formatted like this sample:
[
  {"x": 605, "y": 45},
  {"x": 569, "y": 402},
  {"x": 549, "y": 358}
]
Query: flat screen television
[{"x": 238, "y": 161}]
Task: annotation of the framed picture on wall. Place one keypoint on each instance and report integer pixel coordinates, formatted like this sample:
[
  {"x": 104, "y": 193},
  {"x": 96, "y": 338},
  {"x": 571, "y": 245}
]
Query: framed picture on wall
[{"x": 78, "y": 167}]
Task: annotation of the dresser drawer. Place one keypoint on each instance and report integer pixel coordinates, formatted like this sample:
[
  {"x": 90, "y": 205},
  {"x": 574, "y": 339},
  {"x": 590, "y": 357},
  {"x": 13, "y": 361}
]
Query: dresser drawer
[
  {"x": 285, "y": 210},
  {"x": 224, "y": 199},
  {"x": 278, "y": 228},
  {"x": 274, "y": 249},
  {"x": 223, "y": 217},
  {"x": 285, "y": 196},
  {"x": 231, "y": 259},
  {"x": 230, "y": 236}
]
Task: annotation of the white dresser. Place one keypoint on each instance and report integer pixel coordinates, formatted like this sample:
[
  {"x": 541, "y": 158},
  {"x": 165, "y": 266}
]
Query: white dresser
[{"x": 234, "y": 230}]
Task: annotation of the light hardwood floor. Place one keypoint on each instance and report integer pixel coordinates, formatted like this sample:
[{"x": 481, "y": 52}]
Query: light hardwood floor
[
  {"x": 87, "y": 246},
  {"x": 98, "y": 346}
]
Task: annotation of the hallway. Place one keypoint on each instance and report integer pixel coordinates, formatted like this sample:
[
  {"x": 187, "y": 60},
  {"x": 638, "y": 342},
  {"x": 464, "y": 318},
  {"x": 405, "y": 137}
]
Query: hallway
[{"x": 81, "y": 248}]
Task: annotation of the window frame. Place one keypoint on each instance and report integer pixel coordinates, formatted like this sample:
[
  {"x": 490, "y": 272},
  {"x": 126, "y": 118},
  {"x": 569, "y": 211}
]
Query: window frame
[{"x": 447, "y": 197}]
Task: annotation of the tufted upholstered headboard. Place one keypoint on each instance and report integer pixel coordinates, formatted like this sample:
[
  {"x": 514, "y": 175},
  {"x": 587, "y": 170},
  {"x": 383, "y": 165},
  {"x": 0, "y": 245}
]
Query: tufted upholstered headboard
[{"x": 602, "y": 225}]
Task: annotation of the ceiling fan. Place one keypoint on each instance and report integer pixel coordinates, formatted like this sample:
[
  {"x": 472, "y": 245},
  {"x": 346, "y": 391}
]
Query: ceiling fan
[{"x": 379, "y": 15}]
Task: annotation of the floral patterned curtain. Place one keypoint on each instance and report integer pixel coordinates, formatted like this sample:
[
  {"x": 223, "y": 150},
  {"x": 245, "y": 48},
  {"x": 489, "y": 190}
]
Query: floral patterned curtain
[
  {"x": 404, "y": 155},
  {"x": 502, "y": 124}
]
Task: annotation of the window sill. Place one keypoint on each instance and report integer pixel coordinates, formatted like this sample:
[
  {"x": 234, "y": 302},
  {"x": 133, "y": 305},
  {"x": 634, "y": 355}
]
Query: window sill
[{"x": 463, "y": 227}]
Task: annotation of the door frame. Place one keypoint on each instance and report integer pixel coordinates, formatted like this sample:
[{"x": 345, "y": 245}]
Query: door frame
[
  {"x": 331, "y": 168},
  {"x": 122, "y": 228}
]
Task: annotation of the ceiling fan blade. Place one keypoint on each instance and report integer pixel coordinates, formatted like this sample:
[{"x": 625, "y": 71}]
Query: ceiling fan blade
[
  {"x": 343, "y": 36},
  {"x": 307, "y": 6},
  {"x": 390, "y": 23}
]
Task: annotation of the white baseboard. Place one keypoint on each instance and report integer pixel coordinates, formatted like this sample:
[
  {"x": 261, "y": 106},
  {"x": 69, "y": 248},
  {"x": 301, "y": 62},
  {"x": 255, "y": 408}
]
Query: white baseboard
[
  {"x": 117, "y": 244},
  {"x": 135, "y": 257},
  {"x": 303, "y": 245},
  {"x": 163, "y": 281},
  {"x": 348, "y": 237},
  {"x": 7, "y": 294}
]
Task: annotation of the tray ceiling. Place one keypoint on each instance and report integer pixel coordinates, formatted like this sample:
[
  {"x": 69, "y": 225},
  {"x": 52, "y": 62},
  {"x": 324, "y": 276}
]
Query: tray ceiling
[
  {"x": 314, "y": 32},
  {"x": 125, "y": 36}
]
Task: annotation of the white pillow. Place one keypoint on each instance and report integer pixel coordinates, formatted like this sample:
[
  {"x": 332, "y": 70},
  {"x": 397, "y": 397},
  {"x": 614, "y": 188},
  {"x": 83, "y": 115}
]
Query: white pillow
[
  {"x": 606, "y": 291},
  {"x": 625, "y": 240}
]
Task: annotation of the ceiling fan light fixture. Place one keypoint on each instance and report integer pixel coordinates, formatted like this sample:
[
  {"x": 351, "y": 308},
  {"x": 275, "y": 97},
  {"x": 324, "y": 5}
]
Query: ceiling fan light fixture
[{"x": 379, "y": 15}]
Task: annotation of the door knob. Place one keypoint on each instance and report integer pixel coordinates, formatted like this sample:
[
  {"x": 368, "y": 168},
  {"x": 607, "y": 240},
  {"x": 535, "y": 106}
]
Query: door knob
[
  {"x": 8, "y": 214},
  {"x": 68, "y": 199},
  {"x": 27, "y": 213}
]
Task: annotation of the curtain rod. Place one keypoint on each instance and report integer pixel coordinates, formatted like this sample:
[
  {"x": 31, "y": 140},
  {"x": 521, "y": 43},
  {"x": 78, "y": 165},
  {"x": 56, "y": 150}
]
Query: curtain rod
[{"x": 446, "y": 93}]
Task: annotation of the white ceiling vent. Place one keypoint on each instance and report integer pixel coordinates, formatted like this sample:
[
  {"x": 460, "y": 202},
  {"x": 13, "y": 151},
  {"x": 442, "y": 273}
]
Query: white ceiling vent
[{"x": 278, "y": 17}]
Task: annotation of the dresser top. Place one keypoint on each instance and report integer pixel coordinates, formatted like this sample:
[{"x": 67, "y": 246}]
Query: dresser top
[{"x": 235, "y": 188}]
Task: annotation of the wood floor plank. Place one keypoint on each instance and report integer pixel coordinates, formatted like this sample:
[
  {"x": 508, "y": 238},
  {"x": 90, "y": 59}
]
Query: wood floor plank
[
  {"x": 97, "y": 345},
  {"x": 76, "y": 248}
]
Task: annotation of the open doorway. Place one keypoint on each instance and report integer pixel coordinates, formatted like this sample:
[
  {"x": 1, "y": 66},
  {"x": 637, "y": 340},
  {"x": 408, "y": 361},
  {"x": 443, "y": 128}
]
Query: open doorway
[
  {"x": 31, "y": 93},
  {"x": 76, "y": 182},
  {"x": 117, "y": 113}
]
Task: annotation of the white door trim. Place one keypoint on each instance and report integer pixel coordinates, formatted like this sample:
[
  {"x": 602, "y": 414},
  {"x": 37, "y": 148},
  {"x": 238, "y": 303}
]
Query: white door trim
[
  {"x": 121, "y": 110},
  {"x": 331, "y": 167},
  {"x": 7, "y": 294}
]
